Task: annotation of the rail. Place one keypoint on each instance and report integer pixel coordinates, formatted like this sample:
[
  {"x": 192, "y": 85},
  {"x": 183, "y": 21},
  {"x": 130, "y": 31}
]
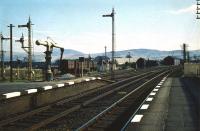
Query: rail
[{"x": 90, "y": 122}]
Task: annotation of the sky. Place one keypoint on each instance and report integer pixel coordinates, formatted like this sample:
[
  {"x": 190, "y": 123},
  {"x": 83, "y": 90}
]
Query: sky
[{"x": 79, "y": 25}]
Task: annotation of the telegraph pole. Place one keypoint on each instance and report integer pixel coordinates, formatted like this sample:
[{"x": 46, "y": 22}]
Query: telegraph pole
[
  {"x": 29, "y": 25},
  {"x": 184, "y": 52},
  {"x": 198, "y": 9},
  {"x": 2, "y": 56},
  {"x": 188, "y": 56},
  {"x": 112, "y": 15},
  {"x": 105, "y": 52},
  {"x": 11, "y": 54},
  {"x": 18, "y": 62},
  {"x": 129, "y": 56}
]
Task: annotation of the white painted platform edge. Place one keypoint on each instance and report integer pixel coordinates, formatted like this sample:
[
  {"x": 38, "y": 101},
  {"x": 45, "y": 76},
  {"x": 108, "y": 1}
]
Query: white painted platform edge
[
  {"x": 157, "y": 86},
  {"x": 149, "y": 99},
  {"x": 155, "y": 89},
  {"x": 144, "y": 106},
  {"x": 152, "y": 93},
  {"x": 93, "y": 78},
  {"x": 99, "y": 78},
  {"x": 47, "y": 87},
  {"x": 60, "y": 85},
  {"x": 70, "y": 82},
  {"x": 29, "y": 91},
  {"x": 87, "y": 79},
  {"x": 137, "y": 118},
  {"x": 12, "y": 94}
]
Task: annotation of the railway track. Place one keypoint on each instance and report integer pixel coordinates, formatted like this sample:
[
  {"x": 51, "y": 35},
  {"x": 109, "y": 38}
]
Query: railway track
[
  {"x": 123, "y": 74},
  {"x": 75, "y": 119},
  {"x": 115, "y": 116},
  {"x": 72, "y": 113}
]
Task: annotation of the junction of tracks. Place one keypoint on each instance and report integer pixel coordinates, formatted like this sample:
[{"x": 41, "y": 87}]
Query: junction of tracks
[{"x": 153, "y": 99}]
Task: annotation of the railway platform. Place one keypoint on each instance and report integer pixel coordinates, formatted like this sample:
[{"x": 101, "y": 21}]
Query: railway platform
[
  {"x": 19, "y": 86},
  {"x": 174, "y": 106}
]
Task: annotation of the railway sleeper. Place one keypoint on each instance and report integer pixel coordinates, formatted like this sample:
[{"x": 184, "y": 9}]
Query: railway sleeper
[
  {"x": 57, "y": 109},
  {"x": 39, "y": 117},
  {"x": 95, "y": 129},
  {"x": 102, "y": 124},
  {"x": 12, "y": 128},
  {"x": 92, "y": 129},
  {"x": 43, "y": 115},
  {"x": 33, "y": 120},
  {"x": 20, "y": 124},
  {"x": 110, "y": 118}
]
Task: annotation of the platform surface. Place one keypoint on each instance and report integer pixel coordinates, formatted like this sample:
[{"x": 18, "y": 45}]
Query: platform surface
[
  {"x": 174, "y": 108},
  {"x": 19, "y": 86}
]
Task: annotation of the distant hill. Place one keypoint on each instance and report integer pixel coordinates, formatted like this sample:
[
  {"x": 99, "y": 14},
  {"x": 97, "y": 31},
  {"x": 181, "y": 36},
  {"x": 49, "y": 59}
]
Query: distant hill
[
  {"x": 136, "y": 53},
  {"x": 40, "y": 56},
  {"x": 149, "y": 53},
  {"x": 68, "y": 53}
]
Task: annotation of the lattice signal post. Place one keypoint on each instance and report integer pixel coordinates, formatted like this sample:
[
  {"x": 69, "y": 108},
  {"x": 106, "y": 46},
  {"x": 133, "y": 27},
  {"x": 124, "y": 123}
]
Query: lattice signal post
[
  {"x": 29, "y": 26},
  {"x": 112, "y": 15}
]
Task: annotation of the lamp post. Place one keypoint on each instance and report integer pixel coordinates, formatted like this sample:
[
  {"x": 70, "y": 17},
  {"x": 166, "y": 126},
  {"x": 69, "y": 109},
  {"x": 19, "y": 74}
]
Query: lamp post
[{"x": 112, "y": 15}]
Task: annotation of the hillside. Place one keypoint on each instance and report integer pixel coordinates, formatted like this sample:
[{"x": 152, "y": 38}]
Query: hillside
[
  {"x": 149, "y": 53},
  {"x": 40, "y": 56},
  {"x": 136, "y": 53}
]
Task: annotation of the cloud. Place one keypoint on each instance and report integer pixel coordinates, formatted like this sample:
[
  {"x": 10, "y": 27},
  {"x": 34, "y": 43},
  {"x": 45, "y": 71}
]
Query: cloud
[{"x": 190, "y": 9}]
